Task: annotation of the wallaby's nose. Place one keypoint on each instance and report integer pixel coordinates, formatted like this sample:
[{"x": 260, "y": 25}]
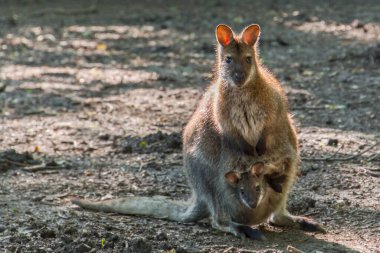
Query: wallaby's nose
[{"x": 238, "y": 77}]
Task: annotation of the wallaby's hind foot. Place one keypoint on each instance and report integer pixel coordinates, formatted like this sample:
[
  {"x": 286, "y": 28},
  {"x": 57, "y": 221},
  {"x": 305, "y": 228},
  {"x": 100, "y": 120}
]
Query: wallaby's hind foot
[
  {"x": 300, "y": 222},
  {"x": 309, "y": 225}
]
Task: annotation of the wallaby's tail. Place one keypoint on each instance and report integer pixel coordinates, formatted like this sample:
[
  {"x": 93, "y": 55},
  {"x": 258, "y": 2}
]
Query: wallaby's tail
[{"x": 156, "y": 207}]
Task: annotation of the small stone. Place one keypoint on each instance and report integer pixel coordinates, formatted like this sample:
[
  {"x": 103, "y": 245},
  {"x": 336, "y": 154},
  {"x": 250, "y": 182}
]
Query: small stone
[
  {"x": 127, "y": 149},
  {"x": 47, "y": 233},
  {"x": 310, "y": 202},
  {"x": 66, "y": 239},
  {"x": 70, "y": 230},
  {"x": 114, "y": 238},
  {"x": 139, "y": 245},
  {"x": 315, "y": 187},
  {"x": 161, "y": 236},
  {"x": 104, "y": 137},
  {"x": 332, "y": 142},
  {"x": 166, "y": 247},
  {"x": 357, "y": 23},
  {"x": 2, "y": 228},
  {"x": 181, "y": 250}
]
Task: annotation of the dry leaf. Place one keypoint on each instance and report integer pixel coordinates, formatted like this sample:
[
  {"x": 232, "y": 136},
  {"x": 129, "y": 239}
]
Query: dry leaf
[{"x": 101, "y": 46}]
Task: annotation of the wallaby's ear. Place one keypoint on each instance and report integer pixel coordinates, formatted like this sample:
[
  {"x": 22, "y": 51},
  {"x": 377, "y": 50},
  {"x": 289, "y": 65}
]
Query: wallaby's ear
[
  {"x": 251, "y": 34},
  {"x": 224, "y": 35},
  {"x": 257, "y": 169},
  {"x": 232, "y": 178}
]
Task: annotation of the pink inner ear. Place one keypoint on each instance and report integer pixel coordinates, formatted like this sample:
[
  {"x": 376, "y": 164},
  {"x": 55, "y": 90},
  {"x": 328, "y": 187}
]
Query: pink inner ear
[
  {"x": 226, "y": 40},
  {"x": 232, "y": 178},
  {"x": 251, "y": 34},
  {"x": 224, "y": 35},
  {"x": 247, "y": 38},
  {"x": 257, "y": 169}
]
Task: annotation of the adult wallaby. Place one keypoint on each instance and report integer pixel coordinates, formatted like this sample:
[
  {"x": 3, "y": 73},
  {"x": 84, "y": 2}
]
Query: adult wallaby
[{"x": 243, "y": 114}]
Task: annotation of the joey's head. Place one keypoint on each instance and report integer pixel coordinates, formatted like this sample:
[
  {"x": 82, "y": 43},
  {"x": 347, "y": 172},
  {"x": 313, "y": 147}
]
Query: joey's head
[
  {"x": 236, "y": 55},
  {"x": 247, "y": 186}
]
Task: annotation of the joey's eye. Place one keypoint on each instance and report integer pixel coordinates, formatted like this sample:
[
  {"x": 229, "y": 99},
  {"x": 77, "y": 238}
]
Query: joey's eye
[
  {"x": 248, "y": 59},
  {"x": 257, "y": 188},
  {"x": 228, "y": 59}
]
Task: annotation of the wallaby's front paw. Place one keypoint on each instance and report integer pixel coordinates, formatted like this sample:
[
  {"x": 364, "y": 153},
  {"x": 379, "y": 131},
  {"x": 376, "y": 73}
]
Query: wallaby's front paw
[{"x": 249, "y": 232}]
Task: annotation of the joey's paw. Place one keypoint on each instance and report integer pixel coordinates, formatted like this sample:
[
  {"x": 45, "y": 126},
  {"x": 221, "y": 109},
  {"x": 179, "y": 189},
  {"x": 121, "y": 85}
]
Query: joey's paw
[
  {"x": 249, "y": 232},
  {"x": 309, "y": 225},
  {"x": 275, "y": 181}
]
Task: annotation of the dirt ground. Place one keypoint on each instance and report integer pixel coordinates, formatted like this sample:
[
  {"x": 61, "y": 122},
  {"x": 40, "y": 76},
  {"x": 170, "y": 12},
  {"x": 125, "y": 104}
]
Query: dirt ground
[{"x": 93, "y": 99}]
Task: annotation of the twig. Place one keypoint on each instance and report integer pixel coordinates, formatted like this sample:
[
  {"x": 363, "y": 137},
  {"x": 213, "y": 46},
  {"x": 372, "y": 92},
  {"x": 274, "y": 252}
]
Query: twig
[
  {"x": 374, "y": 169},
  {"x": 333, "y": 158},
  {"x": 373, "y": 157},
  {"x": 15, "y": 163},
  {"x": 30, "y": 167},
  {"x": 324, "y": 158},
  {"x": 228, "y": 249},
  {"x": 308, "y": 108},
  {"x": 372, "y": 173},
  {"x": 39, "y": 167},
  {"x": 292, "y": 249}
]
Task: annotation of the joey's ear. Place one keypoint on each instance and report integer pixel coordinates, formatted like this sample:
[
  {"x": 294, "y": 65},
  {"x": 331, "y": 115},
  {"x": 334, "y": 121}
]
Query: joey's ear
[
  {"x": 224, "y": 35},
  {"x": 232, "y": 178},
  {"x": 257, "y": 169},
  {"x": 251, "y": 34}
]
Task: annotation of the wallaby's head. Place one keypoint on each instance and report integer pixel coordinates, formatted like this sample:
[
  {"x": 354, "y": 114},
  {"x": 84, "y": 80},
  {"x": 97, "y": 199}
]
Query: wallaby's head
[
  {"x": 247, "y": 185},
  {"x": 236, "y": 54}
]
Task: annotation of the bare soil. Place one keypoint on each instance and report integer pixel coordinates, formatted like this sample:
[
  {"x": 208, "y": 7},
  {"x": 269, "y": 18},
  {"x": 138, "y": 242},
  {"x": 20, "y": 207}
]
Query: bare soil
[{"x": 93, "y": 102}]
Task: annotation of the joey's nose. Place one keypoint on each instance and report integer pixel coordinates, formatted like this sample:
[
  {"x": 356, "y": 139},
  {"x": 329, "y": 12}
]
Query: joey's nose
[
  {"x": 238, "y": 77},
  {"x": 252, "y": 204}
]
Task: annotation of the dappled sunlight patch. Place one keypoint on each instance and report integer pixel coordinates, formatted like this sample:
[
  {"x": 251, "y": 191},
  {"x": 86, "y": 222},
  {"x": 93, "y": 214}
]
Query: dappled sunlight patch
[
  {"x": 15, "y": 40},
  {"x": 123, "y": 31},
  {"x": 49, "y": 86},
  {"x": 365, "y": 33},
  {"x": 81, "y": 75},
  {"x": 83, "y": 45},
  {"x": 115, "y": 76},
  {"x": 80, "y": 44},
  {"x": 20, "y": 72}
]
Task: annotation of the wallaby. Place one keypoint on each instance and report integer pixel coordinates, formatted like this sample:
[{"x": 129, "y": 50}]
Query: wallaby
[
  {"x": 244, "y": 112},
  {"x": 242, "y": 115}
]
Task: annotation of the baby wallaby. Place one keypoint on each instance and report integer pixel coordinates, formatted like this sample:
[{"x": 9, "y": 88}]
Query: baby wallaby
[
  {"x": 250, "y": 185},
  {"x": 247, "y": 185}
]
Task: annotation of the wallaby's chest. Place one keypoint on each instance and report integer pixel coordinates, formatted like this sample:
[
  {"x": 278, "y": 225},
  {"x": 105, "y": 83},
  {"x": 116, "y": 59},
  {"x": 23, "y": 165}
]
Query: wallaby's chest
[{"x": 248, "y": 119}]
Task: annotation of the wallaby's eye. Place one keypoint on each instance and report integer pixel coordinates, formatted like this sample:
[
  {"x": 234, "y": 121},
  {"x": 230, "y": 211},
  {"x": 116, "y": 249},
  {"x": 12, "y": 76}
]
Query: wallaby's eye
[
  {"x": 228, "y": 59},
  {"x": 248, "y": 59},
  {"x": 257, "y": 188}
]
